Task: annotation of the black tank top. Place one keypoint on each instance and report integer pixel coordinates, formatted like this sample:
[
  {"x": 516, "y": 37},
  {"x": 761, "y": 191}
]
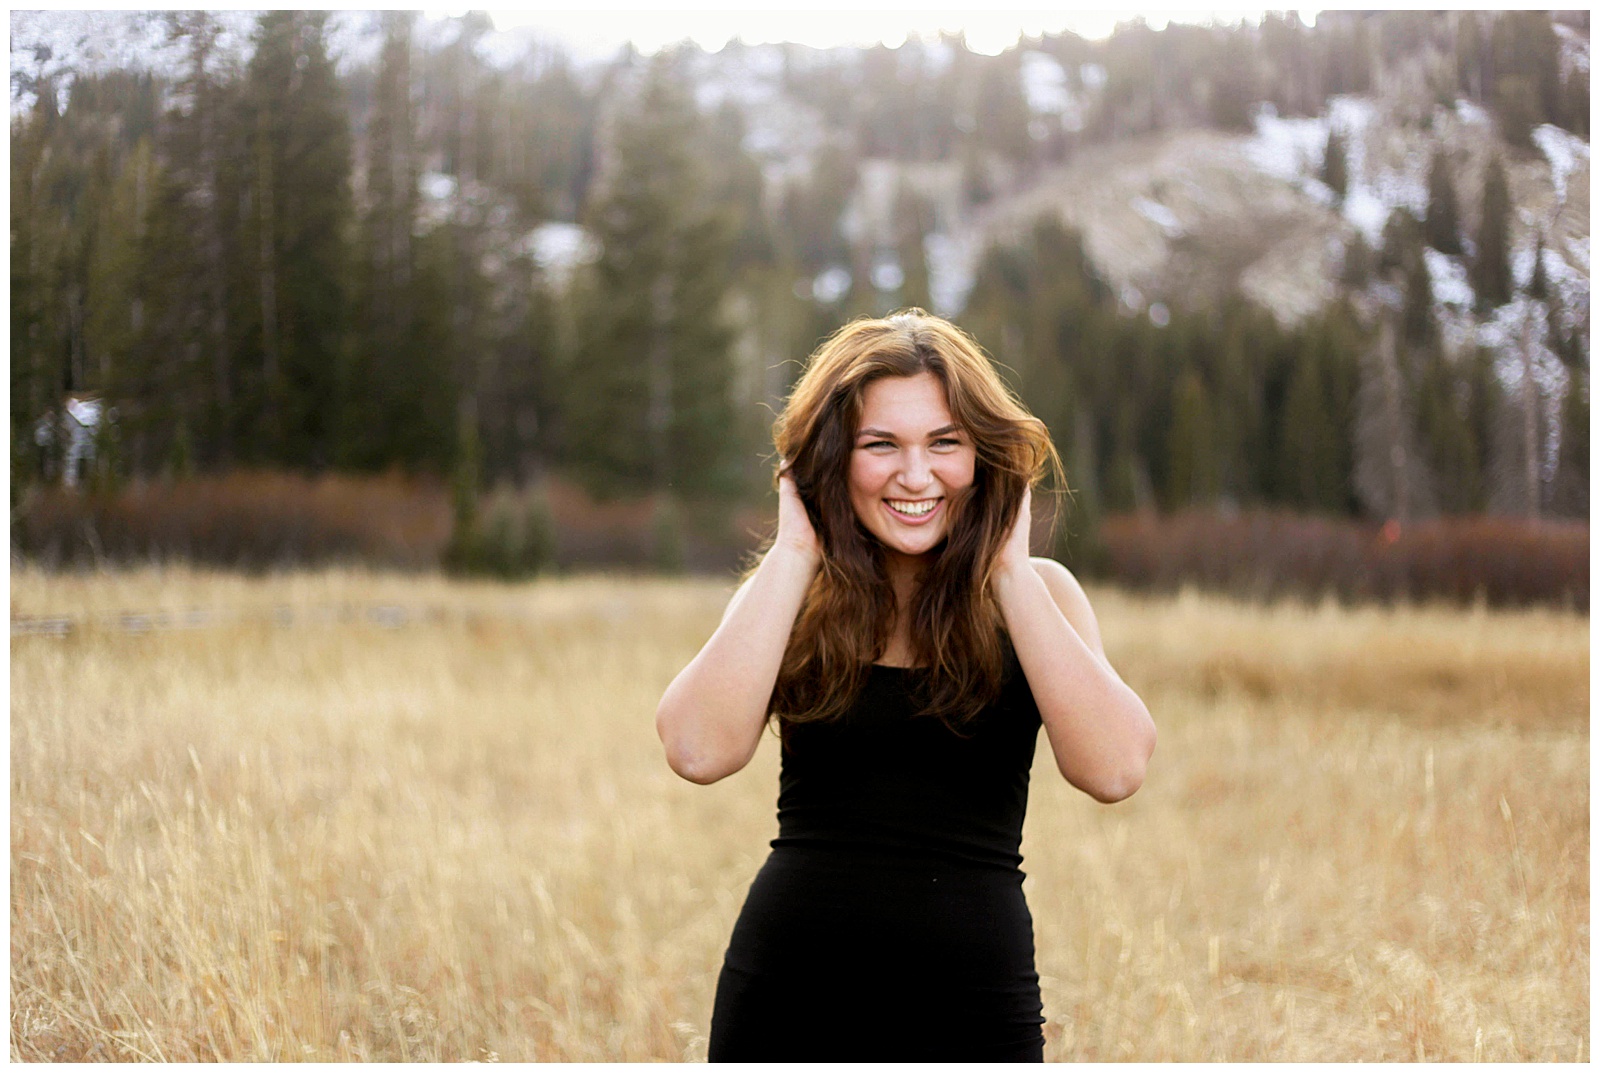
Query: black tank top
[{"x": 884, "y": 779}]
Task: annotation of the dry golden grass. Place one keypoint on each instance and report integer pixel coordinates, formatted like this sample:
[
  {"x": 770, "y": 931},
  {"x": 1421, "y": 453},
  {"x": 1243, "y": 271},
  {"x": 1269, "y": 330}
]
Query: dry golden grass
[{"x": 1365, "y": 833}]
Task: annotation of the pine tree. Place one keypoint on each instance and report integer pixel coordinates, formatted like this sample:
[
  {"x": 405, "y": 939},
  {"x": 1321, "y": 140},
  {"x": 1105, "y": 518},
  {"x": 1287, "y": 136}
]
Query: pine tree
[
  {"x": 1445, "y": 431},
  {"x": 648, "y": 399},
  {"x": 1490, "y": 270},
  {"x": 1516, "y": 106},
  {"x": 1417, "y": 323},
  {"x": 1570, "y": 494},
  {"x": 737, "y": 186},
  {"x": 196, "y": 149},
  {"x": 1484, "y": 404},
  {"x": 1191, "y": 466},
  {"x": 1003, "y": 111},
  {"x": 1526, "y": 72},
  {"x": 1575, "y": 102},
  {"x": 1309, "y": 456},
  {"x": 116, "y": 316},
  {"x": 1234, "y": 88},
  {"x": 812, "y": 208},
  {"x": 300, "y": 153},
  {"x": 1442, "y": 226},
  {"x": 1350, "y": 60},
  {"x": 912, "y": 221},
  {"x": 1469, "y": 55},
  {"x": 161, "y": 388},
  {"x": 1539, "y": 284},
  {"x": 397, "y": 390},
  {"x": 1338, "y": 343},
  {"x": 1391, "y": 475},
  {"x": 1358, "y": 265},
  {"x": 1335, "y": 164},
  {"x": 38, "y": 243}
]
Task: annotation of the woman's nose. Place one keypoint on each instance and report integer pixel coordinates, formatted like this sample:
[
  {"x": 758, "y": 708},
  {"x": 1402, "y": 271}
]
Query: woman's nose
[{"x": 916, "y": 474}]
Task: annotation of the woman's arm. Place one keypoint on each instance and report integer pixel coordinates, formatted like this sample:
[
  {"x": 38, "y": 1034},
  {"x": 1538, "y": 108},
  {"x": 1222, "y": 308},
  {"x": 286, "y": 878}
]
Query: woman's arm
[
  {"x": 711, "y": 717},
  {"x": 1100, "y": 731}
]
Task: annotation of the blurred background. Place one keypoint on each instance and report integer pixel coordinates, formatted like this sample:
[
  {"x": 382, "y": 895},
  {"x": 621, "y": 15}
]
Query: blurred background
[
  {"x": 425, "y": 303},
  {"x": 1303, "y": 299}
]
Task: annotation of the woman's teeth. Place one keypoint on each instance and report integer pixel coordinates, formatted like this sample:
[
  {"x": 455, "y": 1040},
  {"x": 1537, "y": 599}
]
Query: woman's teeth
[{"x": 915, "y": 508}]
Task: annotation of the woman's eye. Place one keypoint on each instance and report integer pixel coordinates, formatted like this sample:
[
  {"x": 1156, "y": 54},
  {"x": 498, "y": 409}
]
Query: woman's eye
[
  {"x": 947, "y": 442},
  {"x": 876, "y": 444}
]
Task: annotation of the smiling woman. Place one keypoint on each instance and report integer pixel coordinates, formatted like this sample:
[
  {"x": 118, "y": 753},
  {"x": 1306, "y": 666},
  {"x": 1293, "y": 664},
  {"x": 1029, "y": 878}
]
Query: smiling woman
[
  {"x": 909, "y": 650},
  {"x": 910, "y": 456}
]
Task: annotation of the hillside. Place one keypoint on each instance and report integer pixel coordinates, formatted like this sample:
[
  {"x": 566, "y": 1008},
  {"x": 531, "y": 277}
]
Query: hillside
[{"x": 1338, "y": 267}]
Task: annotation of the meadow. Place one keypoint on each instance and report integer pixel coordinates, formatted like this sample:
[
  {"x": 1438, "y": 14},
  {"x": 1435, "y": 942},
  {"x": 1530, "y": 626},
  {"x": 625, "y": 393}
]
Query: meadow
[{"x": 300, "y": 828}]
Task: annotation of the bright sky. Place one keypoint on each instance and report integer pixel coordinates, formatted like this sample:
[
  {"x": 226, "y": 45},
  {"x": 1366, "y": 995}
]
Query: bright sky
[{"x": 987, "y": 31}]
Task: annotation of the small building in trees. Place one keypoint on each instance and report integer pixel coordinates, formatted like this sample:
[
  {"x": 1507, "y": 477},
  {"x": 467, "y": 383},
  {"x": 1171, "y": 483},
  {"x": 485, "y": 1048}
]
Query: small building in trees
[{"x": 67, "y": 437}]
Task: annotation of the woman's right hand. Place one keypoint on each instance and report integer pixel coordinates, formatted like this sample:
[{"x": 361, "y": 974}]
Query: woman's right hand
[{"x": 794, "y": 524}]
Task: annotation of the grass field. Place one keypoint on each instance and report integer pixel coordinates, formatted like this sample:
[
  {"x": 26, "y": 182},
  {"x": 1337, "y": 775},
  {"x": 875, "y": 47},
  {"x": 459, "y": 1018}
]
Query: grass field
[{"x": 1364, "y": 835}]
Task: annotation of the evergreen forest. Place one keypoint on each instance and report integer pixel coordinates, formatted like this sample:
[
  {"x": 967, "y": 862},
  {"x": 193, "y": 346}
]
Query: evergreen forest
[{"x": 433, "y": 259}]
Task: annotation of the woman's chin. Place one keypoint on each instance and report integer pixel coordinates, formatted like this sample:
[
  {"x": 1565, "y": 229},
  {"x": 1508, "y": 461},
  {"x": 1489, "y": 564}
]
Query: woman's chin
[{"x": 916, "y": 548}]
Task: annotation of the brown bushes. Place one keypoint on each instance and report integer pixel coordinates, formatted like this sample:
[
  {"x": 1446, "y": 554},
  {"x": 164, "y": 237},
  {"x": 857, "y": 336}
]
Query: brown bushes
[
  {"x": 258, "y": 520},
  {"x": 1503, "y": 561},
  {"x": 245, "y": 520},
  {"x": 255, "y": 520},
  {"x": 649, "y": 532}
]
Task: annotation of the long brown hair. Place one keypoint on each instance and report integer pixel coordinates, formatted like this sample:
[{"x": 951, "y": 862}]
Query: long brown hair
[{"x": 848, "y": 614}]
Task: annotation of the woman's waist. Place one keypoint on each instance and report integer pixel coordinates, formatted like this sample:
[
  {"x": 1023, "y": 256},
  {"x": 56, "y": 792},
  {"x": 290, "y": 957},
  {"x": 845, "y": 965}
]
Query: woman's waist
[
  {"x": 902, "y": 836},
  {"x": 849, "y": 907},
  {"x": 852, "y": 854}
]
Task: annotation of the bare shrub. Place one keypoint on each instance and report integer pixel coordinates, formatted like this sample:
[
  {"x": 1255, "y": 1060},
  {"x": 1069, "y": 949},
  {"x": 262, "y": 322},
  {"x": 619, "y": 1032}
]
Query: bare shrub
[
  {"x": 246, "y": 519},
  {"x": 1503, "y": 561},
  {"x": 260, "y": 520}
]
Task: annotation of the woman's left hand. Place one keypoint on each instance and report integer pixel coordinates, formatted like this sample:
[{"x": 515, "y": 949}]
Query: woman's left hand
[{"x": 1015, "y": 552}]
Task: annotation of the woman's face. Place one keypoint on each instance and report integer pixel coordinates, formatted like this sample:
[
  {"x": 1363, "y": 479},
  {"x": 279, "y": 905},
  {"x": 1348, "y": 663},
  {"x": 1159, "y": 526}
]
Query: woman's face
[{"x": 910, "y": 458}]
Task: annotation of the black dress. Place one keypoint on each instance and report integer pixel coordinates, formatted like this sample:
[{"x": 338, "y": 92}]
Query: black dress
[{"x": 889, "y": 922}]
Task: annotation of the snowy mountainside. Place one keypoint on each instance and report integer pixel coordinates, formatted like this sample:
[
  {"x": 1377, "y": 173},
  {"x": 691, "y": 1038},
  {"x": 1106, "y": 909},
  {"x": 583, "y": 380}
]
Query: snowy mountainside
[{"x": 1184, "y": 216}]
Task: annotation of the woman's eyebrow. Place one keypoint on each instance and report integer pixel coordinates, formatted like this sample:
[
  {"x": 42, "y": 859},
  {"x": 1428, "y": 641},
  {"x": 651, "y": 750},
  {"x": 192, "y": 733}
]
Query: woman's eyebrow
[{"x": 881, "y": 434}]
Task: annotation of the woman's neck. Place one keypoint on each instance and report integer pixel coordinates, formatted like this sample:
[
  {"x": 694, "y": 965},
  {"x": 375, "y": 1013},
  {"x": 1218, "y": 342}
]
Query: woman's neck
[{"x": 905, "y": 572}]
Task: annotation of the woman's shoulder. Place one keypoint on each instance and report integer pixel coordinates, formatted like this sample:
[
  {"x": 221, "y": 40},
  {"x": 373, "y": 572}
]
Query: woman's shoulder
[
  {"x": 1055, "y": 575},
  {"x": 1071, "y": 599},
  {"x": 1065, "y": 590}
]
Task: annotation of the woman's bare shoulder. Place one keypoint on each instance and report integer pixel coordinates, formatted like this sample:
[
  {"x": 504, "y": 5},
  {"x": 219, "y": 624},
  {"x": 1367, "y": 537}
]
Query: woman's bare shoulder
[
  {"x": 1070, "y": 598},
  {"x": 1055, "y": 574}
]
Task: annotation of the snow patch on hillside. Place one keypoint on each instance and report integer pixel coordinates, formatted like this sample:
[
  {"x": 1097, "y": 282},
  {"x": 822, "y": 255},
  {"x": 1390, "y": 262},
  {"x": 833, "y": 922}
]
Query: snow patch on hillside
[
  {"x": 1472, "y": 114},
  {"x": 1568, "y": 284},
  {"x": 1448, "y": 277},
  {"x": 1159, "y": 215},
  {"x": 1370, "y": 198},
  {"x": 1564, "y": 150},
  {"x": 1574, "y": 49},
  {"x": 1288, "y": 149},
  {"x": 1517, "y": 334},
  {"x": 1293, "y": 150},
  {"x": 1044, "y": 84},
  {"x": 1363, "y": 209}
]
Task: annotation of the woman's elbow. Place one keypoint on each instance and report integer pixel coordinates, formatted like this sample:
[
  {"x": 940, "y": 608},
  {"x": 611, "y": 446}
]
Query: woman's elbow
[
  {"x": 697, "y": 766},
  {"x": 1119, "y": 787},
  {"x": 693, "y": 760},
  {"x": 1122, "y": 780}
]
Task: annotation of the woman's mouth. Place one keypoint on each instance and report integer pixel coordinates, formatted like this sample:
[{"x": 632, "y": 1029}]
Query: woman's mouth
[{"x": 913, "y": 511}]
